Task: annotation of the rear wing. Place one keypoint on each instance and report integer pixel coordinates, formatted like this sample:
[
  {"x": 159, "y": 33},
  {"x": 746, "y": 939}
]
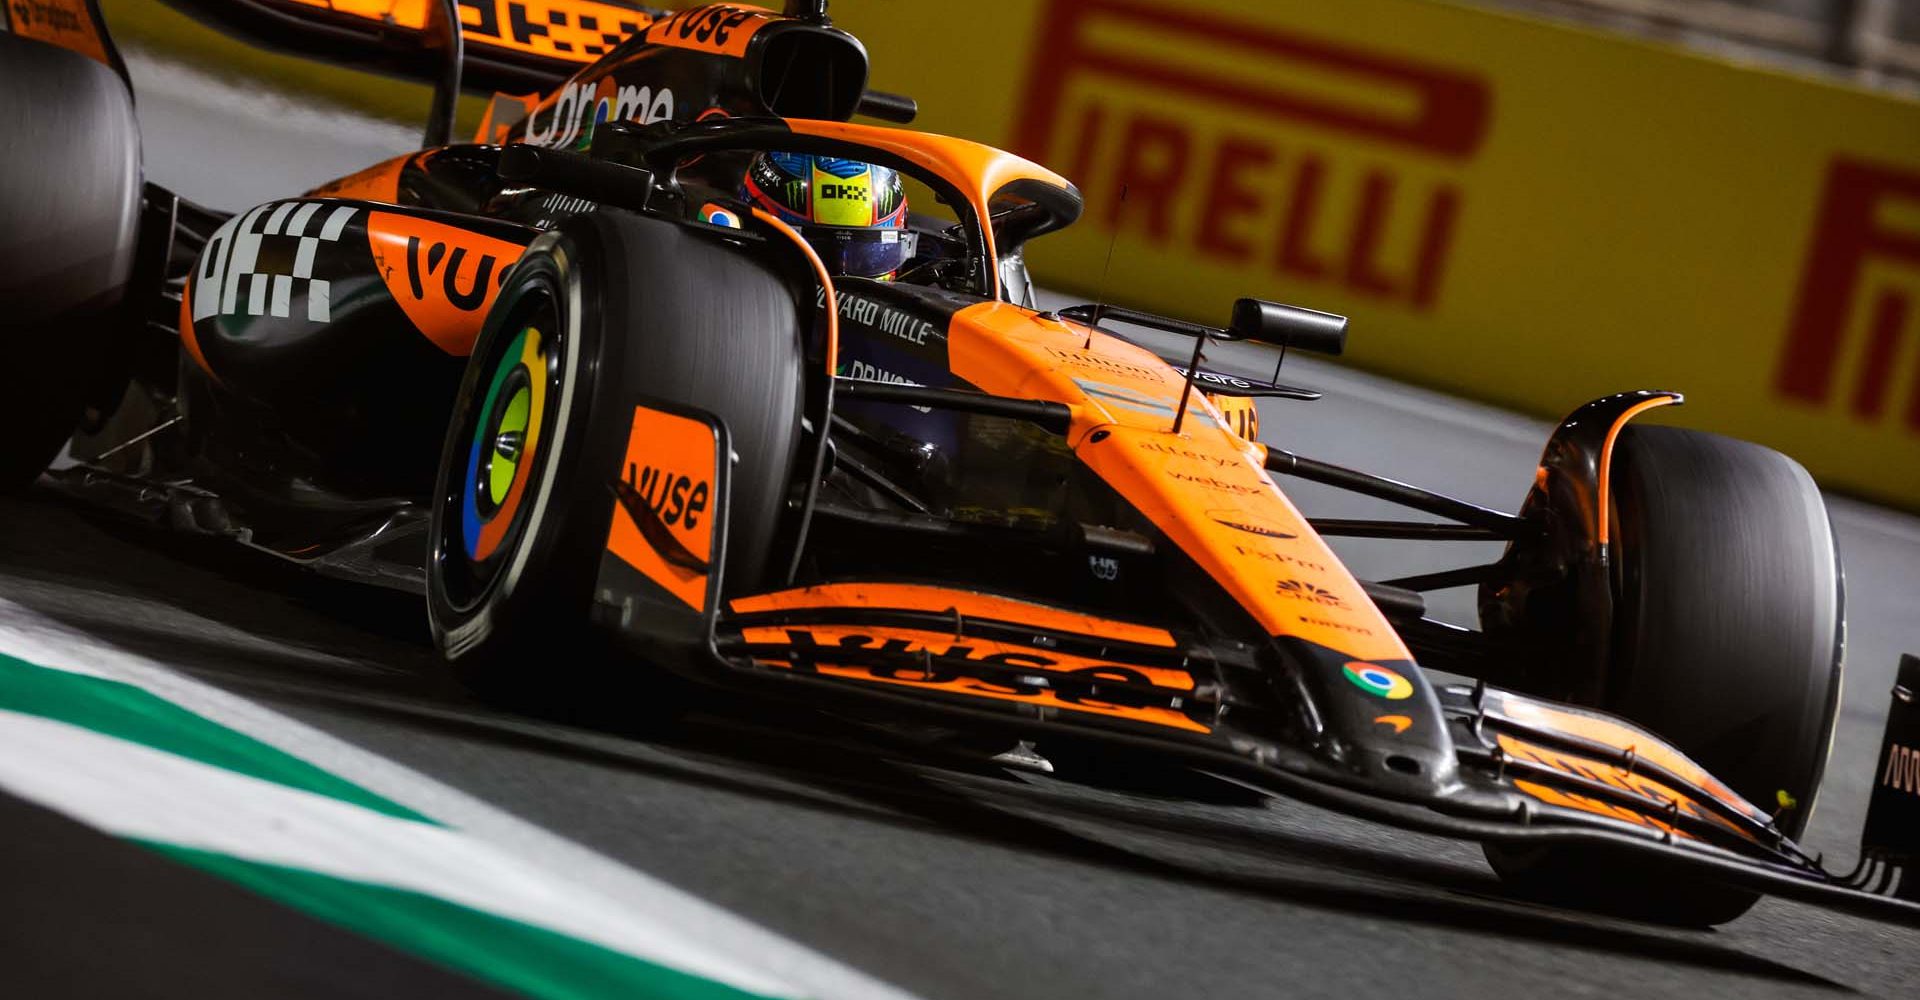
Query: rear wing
[
  {"x": 737, "y": 58},
  {"x": 514, "y": 45},
  {"x": 1890, "y": 840}
]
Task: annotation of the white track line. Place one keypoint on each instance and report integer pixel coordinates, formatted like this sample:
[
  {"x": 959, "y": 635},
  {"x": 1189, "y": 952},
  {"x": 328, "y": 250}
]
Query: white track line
[{"x": 29, "y": 636}]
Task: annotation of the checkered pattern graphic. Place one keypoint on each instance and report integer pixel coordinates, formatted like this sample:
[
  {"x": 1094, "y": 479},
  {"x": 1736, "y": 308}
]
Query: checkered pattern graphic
[
  {"x": 551, "y": 30},
  {"x": 232, "y": 280}
]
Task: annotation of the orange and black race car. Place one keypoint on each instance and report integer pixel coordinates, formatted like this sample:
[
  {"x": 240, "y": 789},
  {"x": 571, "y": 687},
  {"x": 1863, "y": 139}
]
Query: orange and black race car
[{"x": 568, "y": 380}]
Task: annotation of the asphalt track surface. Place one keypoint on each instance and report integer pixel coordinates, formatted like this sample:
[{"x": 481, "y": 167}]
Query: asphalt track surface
[{"x": 945, "y": 878}]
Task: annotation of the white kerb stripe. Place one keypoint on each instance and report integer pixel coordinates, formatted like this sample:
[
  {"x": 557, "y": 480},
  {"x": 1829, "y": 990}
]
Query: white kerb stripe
[
  {"x": 44, "y": 641},
  {"x": 136, "y": 791}
]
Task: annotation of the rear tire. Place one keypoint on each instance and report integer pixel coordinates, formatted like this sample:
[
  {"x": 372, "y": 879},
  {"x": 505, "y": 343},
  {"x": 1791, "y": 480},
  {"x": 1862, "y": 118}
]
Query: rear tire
[
  {"x": 625, "y": 306},
  {"x": 69, "y": 217},
  {"x": 1728, "y": 635}
]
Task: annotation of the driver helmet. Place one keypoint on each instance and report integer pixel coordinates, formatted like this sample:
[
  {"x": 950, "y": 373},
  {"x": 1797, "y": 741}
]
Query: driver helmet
[{"x": 853, "y": 213}]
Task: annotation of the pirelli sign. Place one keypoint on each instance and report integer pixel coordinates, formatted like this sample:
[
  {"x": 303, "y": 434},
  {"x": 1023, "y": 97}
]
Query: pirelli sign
[
  {"x": 1259, "y": 171},
  {"x": 1508, "y": 208}
]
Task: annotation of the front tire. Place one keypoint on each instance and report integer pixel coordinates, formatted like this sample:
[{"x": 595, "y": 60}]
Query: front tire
[
  {"x": 607, "y": 309},
  {"x": 1728, "y": 635}
]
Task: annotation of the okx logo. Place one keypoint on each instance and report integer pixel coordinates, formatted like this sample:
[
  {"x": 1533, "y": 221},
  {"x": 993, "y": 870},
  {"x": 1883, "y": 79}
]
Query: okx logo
[
  {"x": 1856, "y": 297},
  {"x": 262, "y": 262}
]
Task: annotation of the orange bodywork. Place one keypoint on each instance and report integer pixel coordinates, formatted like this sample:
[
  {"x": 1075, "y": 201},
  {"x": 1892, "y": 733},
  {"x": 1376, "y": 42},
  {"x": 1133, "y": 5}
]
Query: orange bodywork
[
  {"x": 1659, "y": 797},
  {"x": 1603, "y": 506},
  {"x": 921, "y": 597},
  {"x": 815, "y": 644},
  {"x": 670, "y": 463},
  {"x": 380, "y": 182},
  {"x": 68, "y": 24},
  {"x": 188, "y": 339},
  {"x": 1623, "y": 738},
  {"x": 574, "y": 31},
  {"x": 1204, "y": 487},
  {"x": 1241, "y": 415},
  {"x": 1662, "y": 800},
  {"x": 444, "y": 277},
  {"x": 1587, "y": 804}
]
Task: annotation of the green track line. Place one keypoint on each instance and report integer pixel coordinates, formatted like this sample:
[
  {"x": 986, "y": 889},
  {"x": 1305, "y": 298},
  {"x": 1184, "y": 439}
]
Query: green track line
[
  {"x": 129, "y": 713},
  {"x": 518, "y": 956}
]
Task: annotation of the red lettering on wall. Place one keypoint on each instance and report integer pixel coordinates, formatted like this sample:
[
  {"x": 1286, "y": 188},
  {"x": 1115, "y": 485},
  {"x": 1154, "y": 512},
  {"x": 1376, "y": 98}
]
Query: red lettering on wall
[
  {"x": 1436, "y": 238},
  {"x": 1231, "y": 199},
  {"x": 1302, "y": 208},
  {"x": 1087, "y": 141},
  {"x": 1913, "y": 400},
  {"x": 1214, "y": 190},
  {"x": 1889, "y": 318},
  {"x": 1363, "y": 274},
  {"x": 1847, "y": 235},
  {"x": 1451, "y": 108},
  {"x": 1153, "y": 159}
]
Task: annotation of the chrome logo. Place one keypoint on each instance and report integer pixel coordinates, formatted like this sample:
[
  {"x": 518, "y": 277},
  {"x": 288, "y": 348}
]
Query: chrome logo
[{"x": 1378, "y": 680}]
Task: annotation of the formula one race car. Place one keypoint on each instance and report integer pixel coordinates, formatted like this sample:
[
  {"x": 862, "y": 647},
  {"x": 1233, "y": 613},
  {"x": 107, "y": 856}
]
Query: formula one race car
[{"x": 570, "y": 379}]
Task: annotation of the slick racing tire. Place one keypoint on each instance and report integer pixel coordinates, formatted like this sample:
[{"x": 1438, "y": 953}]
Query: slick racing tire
[
  {"x": 1728, "y": 638},
  {"x": 609, "y": 308},
  {"x": 69, "y": 219}
]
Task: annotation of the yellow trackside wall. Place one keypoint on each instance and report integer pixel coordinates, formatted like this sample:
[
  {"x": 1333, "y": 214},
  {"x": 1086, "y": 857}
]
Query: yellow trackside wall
[{"x": 1516, "y": 210}]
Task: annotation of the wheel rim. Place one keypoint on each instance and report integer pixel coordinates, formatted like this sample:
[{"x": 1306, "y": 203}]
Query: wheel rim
[
  {"x": 504, "y": 442},
  {"x": 489, "y": 492}
]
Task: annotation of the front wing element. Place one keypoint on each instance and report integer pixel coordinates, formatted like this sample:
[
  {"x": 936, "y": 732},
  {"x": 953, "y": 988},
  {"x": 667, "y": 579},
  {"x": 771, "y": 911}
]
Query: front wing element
[
  {"x": 1528, "y": 772},
  {"x": 966, "y": 647}
]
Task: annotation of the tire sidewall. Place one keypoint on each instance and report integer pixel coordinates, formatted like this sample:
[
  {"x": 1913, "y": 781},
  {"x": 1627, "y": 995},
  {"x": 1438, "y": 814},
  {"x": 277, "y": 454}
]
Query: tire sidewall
[
  {"x": 1645, "y": 673},
  {"x": 550, "y": 265}
]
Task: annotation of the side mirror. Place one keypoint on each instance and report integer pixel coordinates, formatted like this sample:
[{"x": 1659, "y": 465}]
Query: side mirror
[{"x": 1289, "y": 326}]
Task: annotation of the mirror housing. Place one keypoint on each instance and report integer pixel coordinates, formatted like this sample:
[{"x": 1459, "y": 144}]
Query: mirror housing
[{"x": 1289, "y": 326}]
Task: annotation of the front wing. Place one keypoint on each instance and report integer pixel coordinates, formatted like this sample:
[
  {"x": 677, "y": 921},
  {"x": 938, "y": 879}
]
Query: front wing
[{"x": 1529, "y": 772}]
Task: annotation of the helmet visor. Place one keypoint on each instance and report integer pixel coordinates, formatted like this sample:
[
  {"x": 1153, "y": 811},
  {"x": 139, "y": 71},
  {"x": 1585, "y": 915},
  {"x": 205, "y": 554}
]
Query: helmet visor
[{"x": 861, "y": 253}]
